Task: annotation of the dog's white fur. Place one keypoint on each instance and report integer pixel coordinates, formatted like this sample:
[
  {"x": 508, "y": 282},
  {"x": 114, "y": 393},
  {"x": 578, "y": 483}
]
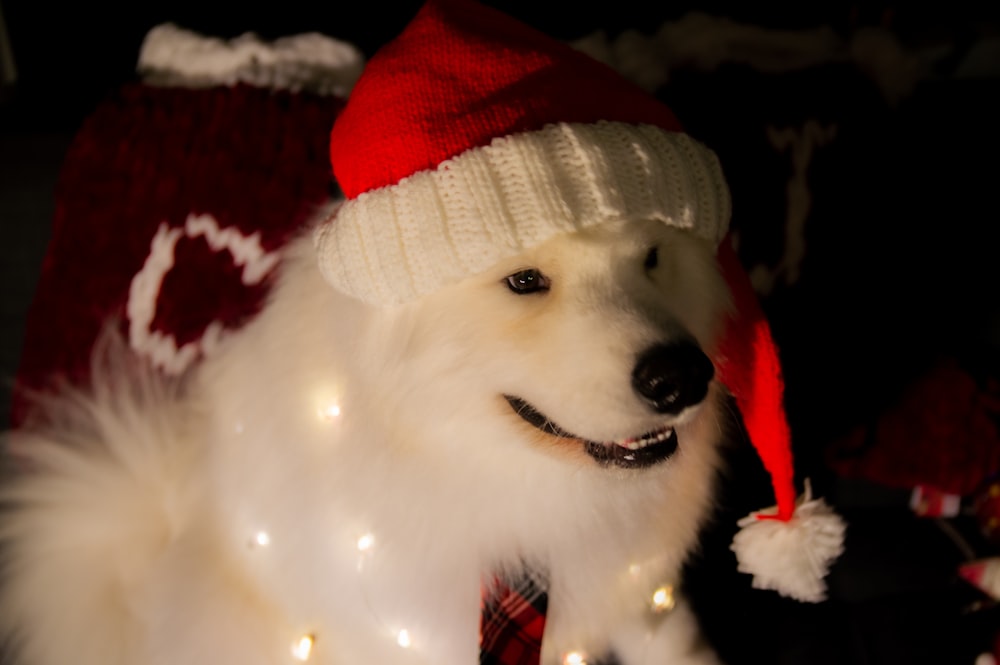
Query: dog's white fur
[{"x": 134, "y": 515}]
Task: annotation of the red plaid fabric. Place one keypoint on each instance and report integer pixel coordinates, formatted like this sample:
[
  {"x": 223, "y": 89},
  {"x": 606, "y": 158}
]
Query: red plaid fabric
[{"x": 513, "y": 620}]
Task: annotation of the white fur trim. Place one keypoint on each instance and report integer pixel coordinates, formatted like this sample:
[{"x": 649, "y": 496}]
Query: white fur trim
[
  {"x": 173, "y": 56},
  {"x": 391, "y": 245},
  {"x": 793, "y": 557}
]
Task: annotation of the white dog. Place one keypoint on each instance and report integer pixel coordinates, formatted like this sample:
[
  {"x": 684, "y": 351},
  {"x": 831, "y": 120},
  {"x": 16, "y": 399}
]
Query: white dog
[
  {"x": 498, "y": 355},
  {"x": 216, "y": 522}
]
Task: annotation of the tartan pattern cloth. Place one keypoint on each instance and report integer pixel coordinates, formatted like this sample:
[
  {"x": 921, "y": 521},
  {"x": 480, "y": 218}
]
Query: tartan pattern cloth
[{"x": 513, "y": 620}]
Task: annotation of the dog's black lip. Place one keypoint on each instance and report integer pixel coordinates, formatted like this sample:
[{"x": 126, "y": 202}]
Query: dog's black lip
[{"x": 605, "y": 454}]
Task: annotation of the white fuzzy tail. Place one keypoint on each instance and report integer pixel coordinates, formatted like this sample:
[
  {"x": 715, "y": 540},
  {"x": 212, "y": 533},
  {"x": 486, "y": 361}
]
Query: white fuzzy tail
[
  {"x": 93, "y": 497},
  {"x": 792, "y": 557}
]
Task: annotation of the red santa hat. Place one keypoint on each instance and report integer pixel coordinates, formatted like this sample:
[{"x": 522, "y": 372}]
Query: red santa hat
[{"x": 472, "y": 137}]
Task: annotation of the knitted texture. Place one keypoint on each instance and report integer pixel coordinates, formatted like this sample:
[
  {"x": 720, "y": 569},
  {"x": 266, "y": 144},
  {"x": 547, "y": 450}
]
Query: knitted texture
[
  {"x": 749, "y": 367},
  {"x": 394, "y": 244},
  {"x": 223, "y": 177},
  {"x": 472, "y": 137},
  {"x": 460, "y": 75}
]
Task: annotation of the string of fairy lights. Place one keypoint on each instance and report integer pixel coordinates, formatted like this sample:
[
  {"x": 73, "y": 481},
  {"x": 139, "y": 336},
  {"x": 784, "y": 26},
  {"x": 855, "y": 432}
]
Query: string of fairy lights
[{"x": 302, "y": 645}]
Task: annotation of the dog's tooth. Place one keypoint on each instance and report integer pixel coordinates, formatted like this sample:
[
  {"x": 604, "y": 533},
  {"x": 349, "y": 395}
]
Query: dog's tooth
[{"x": 645, "y": 441}]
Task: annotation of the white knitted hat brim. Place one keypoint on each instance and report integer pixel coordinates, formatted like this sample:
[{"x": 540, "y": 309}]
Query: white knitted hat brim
[{"x": 391, "y": 245}]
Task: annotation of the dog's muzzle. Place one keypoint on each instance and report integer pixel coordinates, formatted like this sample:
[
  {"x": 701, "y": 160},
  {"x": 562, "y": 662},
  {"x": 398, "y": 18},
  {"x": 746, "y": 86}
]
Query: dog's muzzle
[
  {"x": 669, "y": 378},
  {"x": 630, "y": 453}
]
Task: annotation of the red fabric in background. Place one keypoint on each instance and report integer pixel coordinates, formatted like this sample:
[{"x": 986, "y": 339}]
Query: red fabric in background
[
  {"x": 252, "y": 158},
  {"x": 942, "y": 432}
]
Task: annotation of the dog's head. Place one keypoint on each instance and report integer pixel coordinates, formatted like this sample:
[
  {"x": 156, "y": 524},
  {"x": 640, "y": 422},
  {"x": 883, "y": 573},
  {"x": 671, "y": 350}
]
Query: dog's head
[{"x": 593, "y": 346}]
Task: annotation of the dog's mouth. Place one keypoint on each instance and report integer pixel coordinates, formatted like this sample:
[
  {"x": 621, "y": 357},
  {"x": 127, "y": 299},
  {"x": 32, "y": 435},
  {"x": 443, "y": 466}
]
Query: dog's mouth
[{"x": 630, "y": 453}]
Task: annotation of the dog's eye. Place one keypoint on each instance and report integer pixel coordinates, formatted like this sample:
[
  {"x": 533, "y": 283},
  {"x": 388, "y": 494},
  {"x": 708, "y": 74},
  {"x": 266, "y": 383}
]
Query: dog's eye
[
  {"x": 527, "y": 281},
  {"x": 652, "y": 258}
]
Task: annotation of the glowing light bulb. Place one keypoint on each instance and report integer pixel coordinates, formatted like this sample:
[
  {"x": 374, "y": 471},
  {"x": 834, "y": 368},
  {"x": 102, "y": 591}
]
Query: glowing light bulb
[
  {"x": 366, "y": 542},
  {"x": 663, "y": 599},
  {"x": 574, "y": 658},
  {"x": 262, "y": 538},
  {"x": 302, "y": 647},
  {"x": 329, "y": 412},
  {"x": 403, "y": 639}
]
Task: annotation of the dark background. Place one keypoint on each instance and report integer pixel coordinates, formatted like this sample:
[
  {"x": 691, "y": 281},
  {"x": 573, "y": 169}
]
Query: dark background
[{"x": 902, "y": 268}]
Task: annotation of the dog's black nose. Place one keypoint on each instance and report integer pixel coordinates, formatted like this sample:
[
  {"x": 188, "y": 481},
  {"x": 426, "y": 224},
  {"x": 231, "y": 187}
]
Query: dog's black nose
[{"x": 672, "y": 377}]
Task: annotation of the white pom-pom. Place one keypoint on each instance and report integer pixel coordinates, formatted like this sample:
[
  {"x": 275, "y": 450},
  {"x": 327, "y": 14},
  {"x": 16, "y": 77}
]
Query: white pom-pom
[{"x": 791, "y": 557}]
